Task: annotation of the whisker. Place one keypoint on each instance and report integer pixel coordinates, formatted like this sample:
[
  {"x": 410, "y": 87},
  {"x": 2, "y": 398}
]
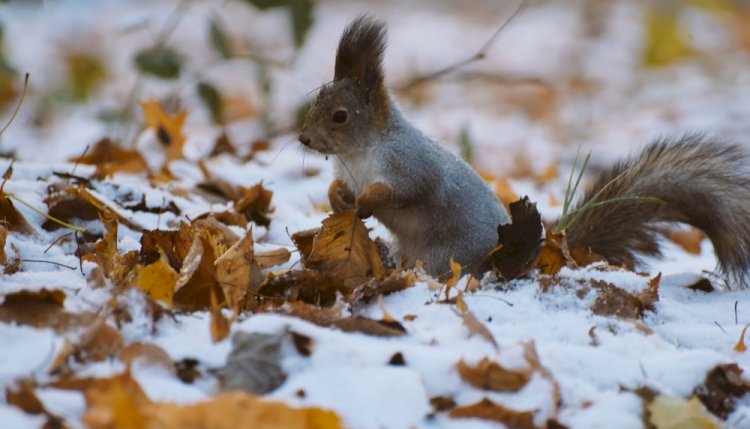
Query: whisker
[
  {"x": 342, "y": 163},
  {"x": 316, "y": 89},
  {"x": 282, "y": 149}
]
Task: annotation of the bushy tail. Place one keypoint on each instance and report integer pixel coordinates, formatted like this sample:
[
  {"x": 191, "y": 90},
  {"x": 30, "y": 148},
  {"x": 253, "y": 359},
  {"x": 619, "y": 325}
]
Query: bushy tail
[{"x": 699, "y": 182}]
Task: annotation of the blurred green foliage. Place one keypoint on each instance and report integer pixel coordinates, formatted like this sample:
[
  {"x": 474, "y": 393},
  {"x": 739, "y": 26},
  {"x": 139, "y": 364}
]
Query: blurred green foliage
[{"x": 159, "y": 61}]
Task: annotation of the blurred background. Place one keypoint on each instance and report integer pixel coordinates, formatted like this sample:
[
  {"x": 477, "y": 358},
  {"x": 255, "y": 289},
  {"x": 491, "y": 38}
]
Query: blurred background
[{"x": 608, "y": 75}]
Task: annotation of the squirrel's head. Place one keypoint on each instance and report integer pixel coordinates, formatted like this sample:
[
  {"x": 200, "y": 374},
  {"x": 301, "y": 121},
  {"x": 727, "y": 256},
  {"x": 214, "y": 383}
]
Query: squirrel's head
[{"x": 347, "y": 111}]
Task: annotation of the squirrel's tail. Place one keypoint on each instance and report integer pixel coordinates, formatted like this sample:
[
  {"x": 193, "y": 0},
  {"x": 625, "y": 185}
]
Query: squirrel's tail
[{"x": 699, "y": 182}]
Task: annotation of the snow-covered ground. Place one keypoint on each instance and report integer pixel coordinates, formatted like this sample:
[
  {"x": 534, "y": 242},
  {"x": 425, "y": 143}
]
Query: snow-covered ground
[{"x": 563, "y": 74}]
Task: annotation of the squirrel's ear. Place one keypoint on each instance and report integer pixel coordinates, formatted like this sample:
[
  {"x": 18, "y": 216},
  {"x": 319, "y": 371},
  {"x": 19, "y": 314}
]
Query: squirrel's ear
[{"x": 360, "y": 56}]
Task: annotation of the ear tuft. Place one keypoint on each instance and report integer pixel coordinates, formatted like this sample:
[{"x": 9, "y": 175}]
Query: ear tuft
[{"x": 360, "y": 54}]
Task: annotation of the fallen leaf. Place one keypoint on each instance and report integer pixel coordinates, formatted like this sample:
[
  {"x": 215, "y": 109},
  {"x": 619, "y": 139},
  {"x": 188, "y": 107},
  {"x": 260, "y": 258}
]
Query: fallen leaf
[
  {"x": 97, "y": 343},
  {"x": 476, "y": 327},
  {"x": 255, "y": 204},
  {"x": 110, "y": 158},
  {"x": 519, "y": 242},
  {"x": 740, "y": 346},
  {"x": 158, "y": 280},
  {"x": 304, "y": 241},
  {"x": 674, "y": 413},
  {"x": 721, "y": 389},
  {"x": 554, "y": 254},
  {"x": 377, "y": 328},
  {"x": 488, "y": 410},
  {"x": 3, "y": 239},
  {"x": 220, "y": 325},
  {"x": 41, "y": 309},
  {"x": 273, "y": 257},
  {"x": 613, "y": 301},
  {"x": 690, "y": 240},
  {"x": 237, "y": 272},
  {"x": 237, "y": 409},
  {"x": 489, "y": 375},
  {"x": 455, "y": 275},
  {"x": 504, "y": 192},
  {"x": 666, "y": 42},
  {"x": 11, "y": 218},
  {"x": 146, "y": 354},
  {"x": 166, "y": 128},
  {"x": 254, "y": 364},
  {"x": 118, "y": 402},
  {"x": 344, "y": 250}
]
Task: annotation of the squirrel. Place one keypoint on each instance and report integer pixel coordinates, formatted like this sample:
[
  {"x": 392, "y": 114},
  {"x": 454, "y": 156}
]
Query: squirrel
[{"x": 438, "y": 208}]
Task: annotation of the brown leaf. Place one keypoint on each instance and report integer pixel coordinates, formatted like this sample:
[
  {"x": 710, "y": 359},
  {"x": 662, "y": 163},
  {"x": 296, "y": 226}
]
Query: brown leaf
[
  {"x": 378, "y": 328},
  {"x": 11, "y": 218},
  {"x": 307, "y": 286},
  {"x": 488, "y": 410},
  {"x": 488, "y": 375},
  {"x": 272, "y": 257},
  {"x": 613, "y": 301},
  {"x": 21, "y": 394},
  {"x": 220, "y": 325},
  {"x": 41, "y": 309},
  {"x": 148, "y": 354},
  {"x": 478, "y": 328},
  {"x": 255, "y": 204},
  {"x": 238, "y": 410},
  {"x": 166, "y": 128},
  {"x": 110, "y": 158},
  {"x": 3, "y": 239},
  {"x": 519, "y": 242},
  {"x": 690, "y": 240},
  {"x": 344, "y": 250},
  {"x": 237, "y": 272},
  {"x": 554, "y": 254},
  {"x": 118, "y": 402},
  {"x": 721, "y": 388},
  {"x": 304, "y": 241},
  {"x": 99, "y": 342},
  {"x": 504, "y": 192}
]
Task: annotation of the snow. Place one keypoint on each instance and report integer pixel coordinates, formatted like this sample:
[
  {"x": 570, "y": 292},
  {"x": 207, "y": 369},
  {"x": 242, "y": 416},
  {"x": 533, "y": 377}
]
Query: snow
[{"x": 595, "y": 93}]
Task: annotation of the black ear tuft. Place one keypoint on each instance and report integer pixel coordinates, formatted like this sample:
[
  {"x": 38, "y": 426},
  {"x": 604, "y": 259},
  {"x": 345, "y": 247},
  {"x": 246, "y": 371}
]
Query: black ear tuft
[{"x": 360, "y": 54}]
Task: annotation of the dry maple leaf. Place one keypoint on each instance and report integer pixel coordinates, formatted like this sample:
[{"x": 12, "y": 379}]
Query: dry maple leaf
[
  {"x": 488, "y": 410},
  {"x": 240, "y": 410},
  {"x": 158, "y": 280},
  {"x": 118, "y": 402},
  {"x": 554, "y": 254},
  {"x": 167, "y": 128},
  {"x": 721, "y": 389},
  {"x": 237, "y": 272},
  {"x": 110, "y": 158},
  {"x": 519, "y": 242},
  {"x": 343, "y": 249},
  {"x": 255, "y": 204},
  {"x": 489, "y": 375}
]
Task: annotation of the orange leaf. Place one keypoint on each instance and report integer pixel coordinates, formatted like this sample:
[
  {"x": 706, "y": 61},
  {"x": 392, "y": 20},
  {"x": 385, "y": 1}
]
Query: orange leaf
[
  {"x": 488, "y": 410},
  {"x": 236, "y": 410},
  {"x": 456, "y": 270},
  {"x": 741, "y": 347},
  {"x": 168, "y": 129},
  {"x": 488, "y": 375},
  {"x": 117, "y": 402}
]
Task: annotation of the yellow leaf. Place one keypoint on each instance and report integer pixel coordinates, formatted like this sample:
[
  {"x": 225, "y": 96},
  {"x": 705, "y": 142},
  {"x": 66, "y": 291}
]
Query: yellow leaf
[
  {"x": 273, "y": 257},
  {"x": 456, "y": 270},
  {"x": 740, "y": 346},
  {"x": 665, "y": 42},
  {"x": 158, "y": 280},
  {"x": 168, "y": 129},
  {"x": 234, "y": 270},
  {"x": 677, "y": 413},
  {"x": 344, "y": 250},
  {"x": 238, "y": 410}
]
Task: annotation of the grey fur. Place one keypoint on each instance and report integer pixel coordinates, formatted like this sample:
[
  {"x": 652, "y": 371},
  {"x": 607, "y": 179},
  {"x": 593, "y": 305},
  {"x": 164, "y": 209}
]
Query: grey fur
[
  {"x": 443, "y": 209},
  {"x": 703, "y": 183}
]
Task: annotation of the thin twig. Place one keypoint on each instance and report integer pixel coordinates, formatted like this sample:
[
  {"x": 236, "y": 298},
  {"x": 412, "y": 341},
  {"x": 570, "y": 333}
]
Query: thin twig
[
  {"x": 56, "y": 241},
  {"x": 48, "y": 262},
  {"x": 18, "y": 106},
  {"x": 170, "y": 25},
  {"x": 78, "y": 161},
  {"x": 478, "y": 56}
]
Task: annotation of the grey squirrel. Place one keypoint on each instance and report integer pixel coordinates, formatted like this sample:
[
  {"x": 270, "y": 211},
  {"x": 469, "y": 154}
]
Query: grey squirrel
[{"x": 438, "y": 208}]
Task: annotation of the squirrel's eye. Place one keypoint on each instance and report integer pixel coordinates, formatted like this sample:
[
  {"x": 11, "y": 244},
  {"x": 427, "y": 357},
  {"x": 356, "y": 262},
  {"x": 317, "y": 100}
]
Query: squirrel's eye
[{"x": 340, "y": 116}]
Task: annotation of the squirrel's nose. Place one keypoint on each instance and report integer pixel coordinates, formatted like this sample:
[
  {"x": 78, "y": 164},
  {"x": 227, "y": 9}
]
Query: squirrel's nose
[{"x": 305, "y": 140}]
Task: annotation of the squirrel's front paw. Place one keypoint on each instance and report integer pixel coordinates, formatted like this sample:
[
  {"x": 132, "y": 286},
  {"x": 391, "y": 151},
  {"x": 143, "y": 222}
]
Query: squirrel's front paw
[
  {"x": 377, "y": 195},
  {"x": 340, "y": 197},
  {"x": 364, "y": 210}
]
